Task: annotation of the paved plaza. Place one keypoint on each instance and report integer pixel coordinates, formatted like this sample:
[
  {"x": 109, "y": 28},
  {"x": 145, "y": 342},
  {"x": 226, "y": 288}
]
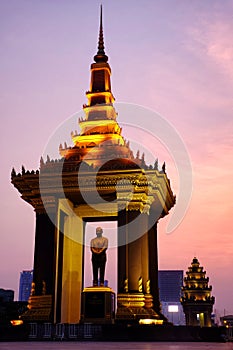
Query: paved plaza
[{"x": 113, "y": 346}]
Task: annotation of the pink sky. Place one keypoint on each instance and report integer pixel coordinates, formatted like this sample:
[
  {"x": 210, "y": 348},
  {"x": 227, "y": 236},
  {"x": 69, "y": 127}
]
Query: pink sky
[{"x": 174, "y": 57}]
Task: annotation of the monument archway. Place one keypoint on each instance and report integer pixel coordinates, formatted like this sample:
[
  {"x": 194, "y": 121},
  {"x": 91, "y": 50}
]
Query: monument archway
[{"x": 70, "y": 256}]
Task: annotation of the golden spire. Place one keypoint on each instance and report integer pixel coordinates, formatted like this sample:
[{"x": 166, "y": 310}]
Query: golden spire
[
  {"x": 100, "y": 56},
  {"x": 99, "y": 124}
]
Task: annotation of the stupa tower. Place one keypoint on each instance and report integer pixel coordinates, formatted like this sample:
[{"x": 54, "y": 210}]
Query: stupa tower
[{"x": 197, "y": 300}]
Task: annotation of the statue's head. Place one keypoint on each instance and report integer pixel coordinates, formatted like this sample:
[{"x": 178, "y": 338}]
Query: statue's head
[{"x": 99, "y": 231}]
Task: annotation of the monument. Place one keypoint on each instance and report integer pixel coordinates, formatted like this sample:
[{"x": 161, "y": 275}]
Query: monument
[
  {"x": 98, "y": 179},
  {"x": 197, "y": 301}
]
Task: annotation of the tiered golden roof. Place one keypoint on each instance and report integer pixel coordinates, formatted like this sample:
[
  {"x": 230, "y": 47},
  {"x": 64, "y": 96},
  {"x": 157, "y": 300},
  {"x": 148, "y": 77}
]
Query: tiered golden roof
[{"x": 99, "y": 126}]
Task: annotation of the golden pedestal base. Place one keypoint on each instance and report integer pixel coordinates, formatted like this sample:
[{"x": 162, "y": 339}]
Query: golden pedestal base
[
  {"x": 135, "y": 306},
  {"x": 39, "y": 309}
]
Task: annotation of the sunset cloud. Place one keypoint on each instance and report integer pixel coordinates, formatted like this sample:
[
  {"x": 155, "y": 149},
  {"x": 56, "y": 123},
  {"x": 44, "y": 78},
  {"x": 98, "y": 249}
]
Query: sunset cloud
[{"x": 213, "y": 41}]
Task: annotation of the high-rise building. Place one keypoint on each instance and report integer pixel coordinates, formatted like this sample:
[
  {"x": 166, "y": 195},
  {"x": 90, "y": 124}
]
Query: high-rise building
[
  {"x": 25, "y": 283},
  {"x": 170, "y": 284},
  {"x": 170, "y": 291},
  {"x": 9, "y": 309},
  {"x": 6, "y": 295}
]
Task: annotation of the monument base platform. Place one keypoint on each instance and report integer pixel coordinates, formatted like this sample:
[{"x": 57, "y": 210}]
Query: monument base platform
[
  {"x": 133, "y": 307},
  {"x": 98, "y": 305}
]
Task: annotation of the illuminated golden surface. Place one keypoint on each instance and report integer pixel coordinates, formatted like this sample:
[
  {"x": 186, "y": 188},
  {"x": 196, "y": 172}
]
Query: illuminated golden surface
[
  {"x": 16, "y": 322},
  {"x": 98, "y": 289},
  {"x": 72, "y": 263},
  {"x": 85, "y": 140},
  {"x": 131, "y": 300},
  {"x": 150, "y": 321}
]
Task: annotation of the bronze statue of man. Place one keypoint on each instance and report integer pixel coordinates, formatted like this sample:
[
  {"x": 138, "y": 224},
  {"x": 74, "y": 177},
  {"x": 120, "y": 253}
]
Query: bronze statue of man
[{"x": 99, "y": 245}]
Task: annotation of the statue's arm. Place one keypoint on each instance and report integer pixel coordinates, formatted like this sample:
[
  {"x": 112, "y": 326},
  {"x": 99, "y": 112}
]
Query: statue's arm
[{"x": 98, "y": 250}]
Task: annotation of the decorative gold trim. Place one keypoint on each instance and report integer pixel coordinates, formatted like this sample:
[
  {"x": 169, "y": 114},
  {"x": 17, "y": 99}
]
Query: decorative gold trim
[{"x": 98, "y": 289}]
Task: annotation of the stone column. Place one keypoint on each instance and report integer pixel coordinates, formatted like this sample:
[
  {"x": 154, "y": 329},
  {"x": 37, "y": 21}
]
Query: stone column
[
  {"x": 59, "y": 266},
  {"x": 44, "y": 254},
  {"x": 122, "y": 250},
  {"x": 153, "y": 263}
]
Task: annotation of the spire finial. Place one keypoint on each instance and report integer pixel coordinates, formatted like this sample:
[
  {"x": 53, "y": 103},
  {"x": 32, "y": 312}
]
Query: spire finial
[
  {"x": 101, "y": 57},
  {"x": 101, "y": 35}
]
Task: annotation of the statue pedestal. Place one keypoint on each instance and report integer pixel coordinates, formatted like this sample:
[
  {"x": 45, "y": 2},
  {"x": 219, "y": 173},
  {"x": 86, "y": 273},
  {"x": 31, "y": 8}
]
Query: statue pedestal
[{"x": 98, "y": 305}]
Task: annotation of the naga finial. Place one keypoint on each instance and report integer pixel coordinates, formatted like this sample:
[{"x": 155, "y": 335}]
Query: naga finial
[
  {"x": 126, "y": 285},
  {"x": 43, "y": 288},
  {"x": 140, "y": 284},
  {"x": 148, "y": 287},
  {"x": 33, "y": 289}
]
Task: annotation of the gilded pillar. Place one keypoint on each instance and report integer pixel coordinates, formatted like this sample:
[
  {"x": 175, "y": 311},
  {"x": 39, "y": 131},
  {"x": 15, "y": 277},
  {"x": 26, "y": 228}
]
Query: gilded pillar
[{"x": 137, "y": 250}]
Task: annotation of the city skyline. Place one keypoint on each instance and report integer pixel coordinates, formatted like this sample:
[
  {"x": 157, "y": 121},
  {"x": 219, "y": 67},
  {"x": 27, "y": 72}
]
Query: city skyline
[{"x": 176, "y": 60}]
